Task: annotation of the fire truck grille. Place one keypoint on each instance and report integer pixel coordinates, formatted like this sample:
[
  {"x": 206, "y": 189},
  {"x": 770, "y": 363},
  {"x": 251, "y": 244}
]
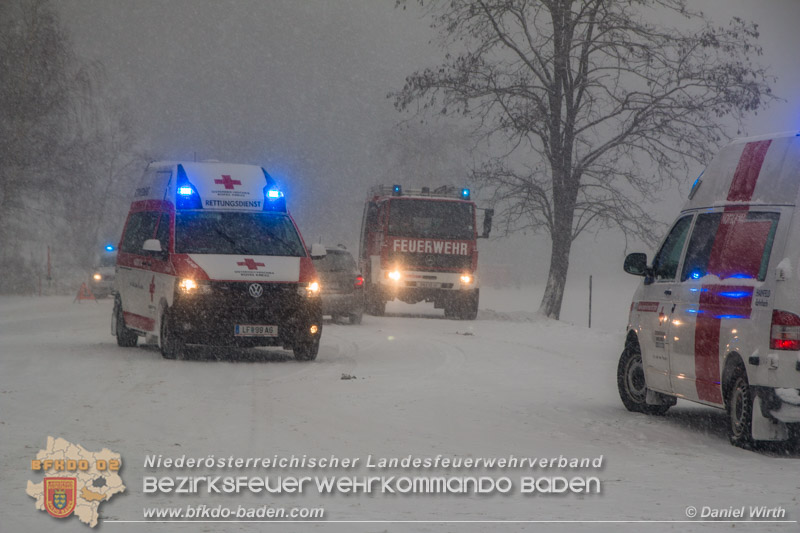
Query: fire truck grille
[{"x": 431, "y": 261}]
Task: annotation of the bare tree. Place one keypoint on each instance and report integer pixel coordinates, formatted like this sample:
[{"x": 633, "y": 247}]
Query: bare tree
[
  {"x": 594, "y": 106},
  {"x": 66, "y": 147}
]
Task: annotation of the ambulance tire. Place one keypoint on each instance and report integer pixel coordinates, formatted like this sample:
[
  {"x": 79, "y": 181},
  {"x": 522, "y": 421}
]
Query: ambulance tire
[
  {"x": 739, "y": 405},
  {"x": 306, "y": 351},
  {"x": 172, "y": 346},
  {"x": 126, "y": 338},
  {"x": 632, "y": 385}
]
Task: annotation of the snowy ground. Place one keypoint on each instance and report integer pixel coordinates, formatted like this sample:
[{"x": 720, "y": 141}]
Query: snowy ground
[{"x": 509, "y": 383}]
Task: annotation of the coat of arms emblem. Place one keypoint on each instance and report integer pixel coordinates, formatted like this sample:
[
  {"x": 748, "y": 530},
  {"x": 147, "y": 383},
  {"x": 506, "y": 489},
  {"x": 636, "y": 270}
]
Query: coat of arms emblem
[{"x": 60, "y": 495}]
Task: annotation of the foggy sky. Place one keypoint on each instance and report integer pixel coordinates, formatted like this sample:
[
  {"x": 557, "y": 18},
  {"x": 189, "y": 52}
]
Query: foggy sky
[{"x": 300, "y": 87}]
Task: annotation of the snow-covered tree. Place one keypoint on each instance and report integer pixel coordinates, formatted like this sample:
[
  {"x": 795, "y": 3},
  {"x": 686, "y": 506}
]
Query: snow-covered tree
[{"x": 593, "y": 105}]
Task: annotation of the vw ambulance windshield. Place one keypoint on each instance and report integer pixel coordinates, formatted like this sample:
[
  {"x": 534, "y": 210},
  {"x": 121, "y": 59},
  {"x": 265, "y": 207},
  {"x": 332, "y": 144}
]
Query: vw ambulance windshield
[
  {"x": 236, "y": 233},
  {"x": 432, "y": 219}
]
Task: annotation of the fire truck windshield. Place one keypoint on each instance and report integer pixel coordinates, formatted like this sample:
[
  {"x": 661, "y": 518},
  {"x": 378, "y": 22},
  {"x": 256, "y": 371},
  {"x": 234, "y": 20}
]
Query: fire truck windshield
[
  {"x": 433, "y": 219},
  {"x": 236, "y": 233}
]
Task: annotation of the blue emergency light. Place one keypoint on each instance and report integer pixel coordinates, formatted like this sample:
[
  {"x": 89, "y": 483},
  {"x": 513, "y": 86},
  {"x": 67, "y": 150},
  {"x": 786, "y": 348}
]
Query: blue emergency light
[
  {"x": 465, "y": 194},
  {"x": 109, "y": 247},
  {"x": 274, "y": 199},
  {"x": 188, "y": 197},
  {"x": 397, "y": 190}
]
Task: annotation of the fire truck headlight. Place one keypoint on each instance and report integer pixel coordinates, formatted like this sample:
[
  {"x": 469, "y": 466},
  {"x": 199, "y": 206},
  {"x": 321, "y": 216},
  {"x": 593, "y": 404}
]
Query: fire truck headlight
[
  {"x": 97, "y": 277},
  {"x": 394, "y": 275},
  {"x": 466, "y": 279}
]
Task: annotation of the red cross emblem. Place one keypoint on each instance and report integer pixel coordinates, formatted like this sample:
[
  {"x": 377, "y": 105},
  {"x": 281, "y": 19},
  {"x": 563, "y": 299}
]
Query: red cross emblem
[
  {"x": 227, "y": 182},
  {"x": 250, "y": 264},
  {"x": 152, "y": 287}
]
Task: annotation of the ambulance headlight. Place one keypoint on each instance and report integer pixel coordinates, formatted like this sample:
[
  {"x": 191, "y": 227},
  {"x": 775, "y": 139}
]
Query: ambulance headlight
[
  {"x": 394, "y": 275},
  {"x": 190, "y": 286},
  {"x": 466, "y": 279},
  {"x": 310, "y": 290},
  {"x": 97, "y": 277}
]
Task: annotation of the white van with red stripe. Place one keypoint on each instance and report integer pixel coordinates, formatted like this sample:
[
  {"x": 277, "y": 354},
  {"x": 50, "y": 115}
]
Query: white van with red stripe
[
  {"x": 716, "y": 319},
  {"x": 210, "y": 255}
]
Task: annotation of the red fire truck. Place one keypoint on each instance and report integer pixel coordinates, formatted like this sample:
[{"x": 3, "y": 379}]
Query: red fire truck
[{"x": 421, "y": 245}]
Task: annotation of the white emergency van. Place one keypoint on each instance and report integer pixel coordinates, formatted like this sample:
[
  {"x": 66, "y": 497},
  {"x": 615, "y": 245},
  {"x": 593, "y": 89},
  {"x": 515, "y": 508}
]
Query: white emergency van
[
  {"x": 716, "y": 319},
  {"x": 210, "y": 255}
]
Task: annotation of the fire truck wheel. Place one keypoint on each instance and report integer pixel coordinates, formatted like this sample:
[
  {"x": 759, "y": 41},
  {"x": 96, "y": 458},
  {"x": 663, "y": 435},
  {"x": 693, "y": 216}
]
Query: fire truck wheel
[
  {"x": 376, "y": 306},
  {"x": 469, "y": 308},
  {"x": 306, "y": 351},
  {"x": 740, "y": 410},
  {"x": 172, "y": 345},
  {"x": 355, "y": 318},
  {"x": 632, "y": 385},
  {"x": 125, "y": 337}
]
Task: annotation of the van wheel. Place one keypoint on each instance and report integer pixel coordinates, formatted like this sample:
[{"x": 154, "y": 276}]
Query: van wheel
[
  {"x": 632, "y": 385},
  {"x": 306, "y": 351},
  {"x": 125, "y": 337},
  {"x": 740, "y": 410},
  {"x": 172, "y": 345}
]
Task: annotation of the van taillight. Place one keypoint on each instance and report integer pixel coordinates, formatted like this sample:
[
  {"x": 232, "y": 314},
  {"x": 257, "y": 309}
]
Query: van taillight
[
  {"x": 359, "y": 281},
  {"x": 785, "y": 331}
]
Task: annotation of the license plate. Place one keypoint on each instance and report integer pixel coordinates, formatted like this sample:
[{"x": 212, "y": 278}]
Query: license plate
[
  {"x": 255, "y": 330},
  {"x": 428, "y": 284}
]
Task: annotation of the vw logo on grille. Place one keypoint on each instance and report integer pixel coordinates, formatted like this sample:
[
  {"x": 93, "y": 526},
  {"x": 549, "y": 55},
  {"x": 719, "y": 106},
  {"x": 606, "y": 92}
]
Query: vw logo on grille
[
  {"x": 430, "y": 260},
  {"x": 256, "y": 290}
]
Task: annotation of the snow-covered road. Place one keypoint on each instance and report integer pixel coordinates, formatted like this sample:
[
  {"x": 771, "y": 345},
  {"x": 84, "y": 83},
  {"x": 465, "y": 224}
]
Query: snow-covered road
[{"x": 507, "y": 384}]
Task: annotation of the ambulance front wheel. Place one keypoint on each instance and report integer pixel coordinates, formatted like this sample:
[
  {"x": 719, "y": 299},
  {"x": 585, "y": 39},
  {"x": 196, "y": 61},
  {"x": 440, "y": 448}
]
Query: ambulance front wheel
[
  {"x": 306, "y": 351},
  {"x": 632, "y": 384},
  {"x": 739, "y": 405},
  {"x": 172, "y": 345},
  {"x": 125, "y": 337}
]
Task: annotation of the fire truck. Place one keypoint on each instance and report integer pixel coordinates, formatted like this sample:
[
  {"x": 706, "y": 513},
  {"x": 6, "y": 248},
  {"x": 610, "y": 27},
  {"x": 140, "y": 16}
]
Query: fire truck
[{"x": 421, "y": 245}]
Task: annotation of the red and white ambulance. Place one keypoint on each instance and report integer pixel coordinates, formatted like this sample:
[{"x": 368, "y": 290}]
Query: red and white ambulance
[
  {"x": 421, "y": 245},
  {"x": 210, "y": 255},
  {"x": 716, "y": 319}
]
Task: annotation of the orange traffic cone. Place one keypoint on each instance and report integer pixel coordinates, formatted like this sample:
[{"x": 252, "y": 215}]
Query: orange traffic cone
[{"x": 84, "y": 293}]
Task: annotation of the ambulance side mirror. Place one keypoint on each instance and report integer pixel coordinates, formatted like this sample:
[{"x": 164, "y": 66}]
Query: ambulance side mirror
[
  {"x": 318, "y": 250},
  {"x": 487, "y": 222},
  {"x": 636, "y": 264},
  {"x": 152, "y": 245}
]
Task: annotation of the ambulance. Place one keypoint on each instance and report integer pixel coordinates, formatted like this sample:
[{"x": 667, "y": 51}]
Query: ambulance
[
  {"x": 716, "y": 319},
  {"x": 210, "y": 255}
]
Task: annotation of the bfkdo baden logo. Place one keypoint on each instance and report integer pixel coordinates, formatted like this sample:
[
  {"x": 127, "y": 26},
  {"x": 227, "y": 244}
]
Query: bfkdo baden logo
[
  {"x": 59, "y": 495},
  {"x": 76, "y": 480}
]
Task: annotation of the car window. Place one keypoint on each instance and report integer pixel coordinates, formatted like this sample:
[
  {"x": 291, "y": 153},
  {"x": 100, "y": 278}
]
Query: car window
[
  {"x": 335, "y": 261},
  {"x": 730, "y": 245},
  {"x": 665, "y": 263}
]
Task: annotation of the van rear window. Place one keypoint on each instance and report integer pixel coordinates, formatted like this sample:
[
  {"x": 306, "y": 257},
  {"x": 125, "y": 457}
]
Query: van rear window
[
  {"x": 236, "y": 233},
  {"x": 734, "y": 244}
]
